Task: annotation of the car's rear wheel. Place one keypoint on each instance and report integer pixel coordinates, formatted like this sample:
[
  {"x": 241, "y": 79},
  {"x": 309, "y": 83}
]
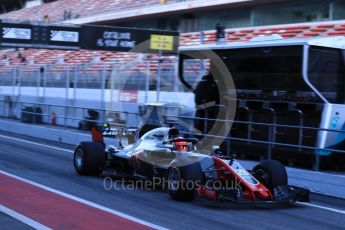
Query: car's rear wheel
[
  {"x": 271, "y": 173},
  {"x": 89, "y": 158}
]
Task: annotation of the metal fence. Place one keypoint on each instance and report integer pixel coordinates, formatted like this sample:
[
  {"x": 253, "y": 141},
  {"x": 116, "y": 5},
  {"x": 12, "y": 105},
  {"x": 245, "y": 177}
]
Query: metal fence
[
  {"x": 139, "y": 74},
  {"x": 270, "y": 141}
]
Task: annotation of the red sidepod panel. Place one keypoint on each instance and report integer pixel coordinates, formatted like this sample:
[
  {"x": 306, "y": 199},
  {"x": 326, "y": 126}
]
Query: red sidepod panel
[{"x": 253, "y": 190}]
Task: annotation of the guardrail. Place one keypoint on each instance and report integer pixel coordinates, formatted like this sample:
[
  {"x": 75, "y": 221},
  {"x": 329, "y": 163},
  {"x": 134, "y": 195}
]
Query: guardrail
[
  {"x": 137, "y": 74},
  {"x": 64, "y": 117}
]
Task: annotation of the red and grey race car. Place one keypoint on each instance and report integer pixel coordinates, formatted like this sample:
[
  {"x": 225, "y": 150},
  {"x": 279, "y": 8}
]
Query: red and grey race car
[{"x": 187, "y": 172}]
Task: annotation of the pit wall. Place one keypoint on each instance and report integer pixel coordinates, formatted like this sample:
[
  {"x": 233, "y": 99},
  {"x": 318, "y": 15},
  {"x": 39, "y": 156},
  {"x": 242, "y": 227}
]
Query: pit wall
[{"x": 54, "y": 101}]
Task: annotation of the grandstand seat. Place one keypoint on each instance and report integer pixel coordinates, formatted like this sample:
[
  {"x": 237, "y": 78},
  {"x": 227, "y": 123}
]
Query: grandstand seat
[
  {"x": 311, "y": 34},
  {"x": 247, "y": 31},
  {"x": 318, "y": 29},
  {"x": 289, "y": 35},
  {"x": 336, "y": 33},
  {"x": 329, "y": 25},
  {"x": 339, "y": 28}
]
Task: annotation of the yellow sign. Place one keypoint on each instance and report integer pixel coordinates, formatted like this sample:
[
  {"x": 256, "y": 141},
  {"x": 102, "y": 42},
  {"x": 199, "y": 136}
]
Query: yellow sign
[{"x": 162, "y": 42}]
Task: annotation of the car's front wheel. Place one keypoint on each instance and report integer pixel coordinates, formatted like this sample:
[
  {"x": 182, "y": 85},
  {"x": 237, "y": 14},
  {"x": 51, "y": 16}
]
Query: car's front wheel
[
  {"x": 89, "y": 158},
  {"x": 271, "y": 173},
  {"x": 178, "y": 187}
]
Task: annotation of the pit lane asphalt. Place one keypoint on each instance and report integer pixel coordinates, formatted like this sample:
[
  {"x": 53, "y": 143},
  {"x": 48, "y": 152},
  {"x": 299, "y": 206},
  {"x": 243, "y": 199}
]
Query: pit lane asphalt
[
  {"x": 9, "y": 223},
  {"x": 54, "y": 168}
]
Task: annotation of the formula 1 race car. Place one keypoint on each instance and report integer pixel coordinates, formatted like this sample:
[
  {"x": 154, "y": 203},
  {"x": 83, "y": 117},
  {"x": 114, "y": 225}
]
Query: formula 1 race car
[{"x": 185, "y": 171}]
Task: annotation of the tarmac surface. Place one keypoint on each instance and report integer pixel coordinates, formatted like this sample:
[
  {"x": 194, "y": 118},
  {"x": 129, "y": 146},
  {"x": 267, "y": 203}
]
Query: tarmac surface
[{"x": 30, "y": 164}]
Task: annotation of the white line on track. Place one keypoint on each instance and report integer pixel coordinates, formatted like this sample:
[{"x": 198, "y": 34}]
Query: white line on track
[
  {"x": 89, "y": 203},
  {"x": 35, "y": 143},
  {"x": 23, "y": 219},
  {"x": 321, "y": 173},
  {"x": 322, "y": 207},
  {"x": 76, "y": 198}
]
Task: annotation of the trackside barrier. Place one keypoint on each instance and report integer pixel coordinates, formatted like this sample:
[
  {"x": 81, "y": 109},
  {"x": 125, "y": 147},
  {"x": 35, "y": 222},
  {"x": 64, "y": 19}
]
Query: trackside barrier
[
  {"x": 271, "y": 140},
  {"x": 54, "y": 115}
]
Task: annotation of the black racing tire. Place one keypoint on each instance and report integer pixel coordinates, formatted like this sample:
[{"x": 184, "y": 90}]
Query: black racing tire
[
  {"x": 89, "y": 158},
  {"x": 178, "y": 188},
  {"x": 182, "y": 181},
  {"x": 271, "y": 173}
]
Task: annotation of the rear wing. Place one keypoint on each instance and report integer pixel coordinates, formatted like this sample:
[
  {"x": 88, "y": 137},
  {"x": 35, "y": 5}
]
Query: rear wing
[{"x": 98, "y": 133}]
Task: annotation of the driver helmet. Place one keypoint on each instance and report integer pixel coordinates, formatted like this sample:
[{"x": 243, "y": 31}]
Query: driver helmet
[{"x": 181, "y": 146}]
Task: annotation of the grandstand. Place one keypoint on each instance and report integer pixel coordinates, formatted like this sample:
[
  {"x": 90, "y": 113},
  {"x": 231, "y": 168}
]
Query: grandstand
[
  {"x": 70, "y": 9},
  {"x": 191, "y": 15},
  {"x": 13, "y": 5},
  {"x": 37, "y": 57},
  {"x": 300, "y": 30}
]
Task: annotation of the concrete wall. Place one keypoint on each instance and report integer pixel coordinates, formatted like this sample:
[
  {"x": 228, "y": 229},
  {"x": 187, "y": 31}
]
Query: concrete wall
[{"x": 57, "y": 134}]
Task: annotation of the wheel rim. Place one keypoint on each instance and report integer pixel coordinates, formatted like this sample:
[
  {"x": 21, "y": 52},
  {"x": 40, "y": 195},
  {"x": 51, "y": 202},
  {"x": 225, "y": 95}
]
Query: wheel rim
[
  {"x": 263, "y": 176},
  {"x": 79, "y": 159},
  {"x": 174, "y": 179}
]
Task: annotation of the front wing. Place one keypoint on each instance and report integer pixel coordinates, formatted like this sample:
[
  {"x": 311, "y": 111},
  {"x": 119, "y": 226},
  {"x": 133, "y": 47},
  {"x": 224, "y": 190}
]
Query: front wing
[{"x": 281, "y": 194}]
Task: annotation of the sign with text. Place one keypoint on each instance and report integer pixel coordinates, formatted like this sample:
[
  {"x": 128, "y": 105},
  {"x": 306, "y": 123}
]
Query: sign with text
[
  {"x": 16, "y": 33},
  {"x": 126, "y": 39},
  {"x": 129, "y": 96},
  {"x": 40, "y": 36},
  {"x": 162, "y": 42},
  {"x": 91, "y": 37},
  {"x": 64, "y": 36}
]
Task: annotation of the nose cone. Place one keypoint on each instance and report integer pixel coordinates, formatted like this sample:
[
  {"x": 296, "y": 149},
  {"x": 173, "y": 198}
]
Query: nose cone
[{"x": 263, "y": 193}]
